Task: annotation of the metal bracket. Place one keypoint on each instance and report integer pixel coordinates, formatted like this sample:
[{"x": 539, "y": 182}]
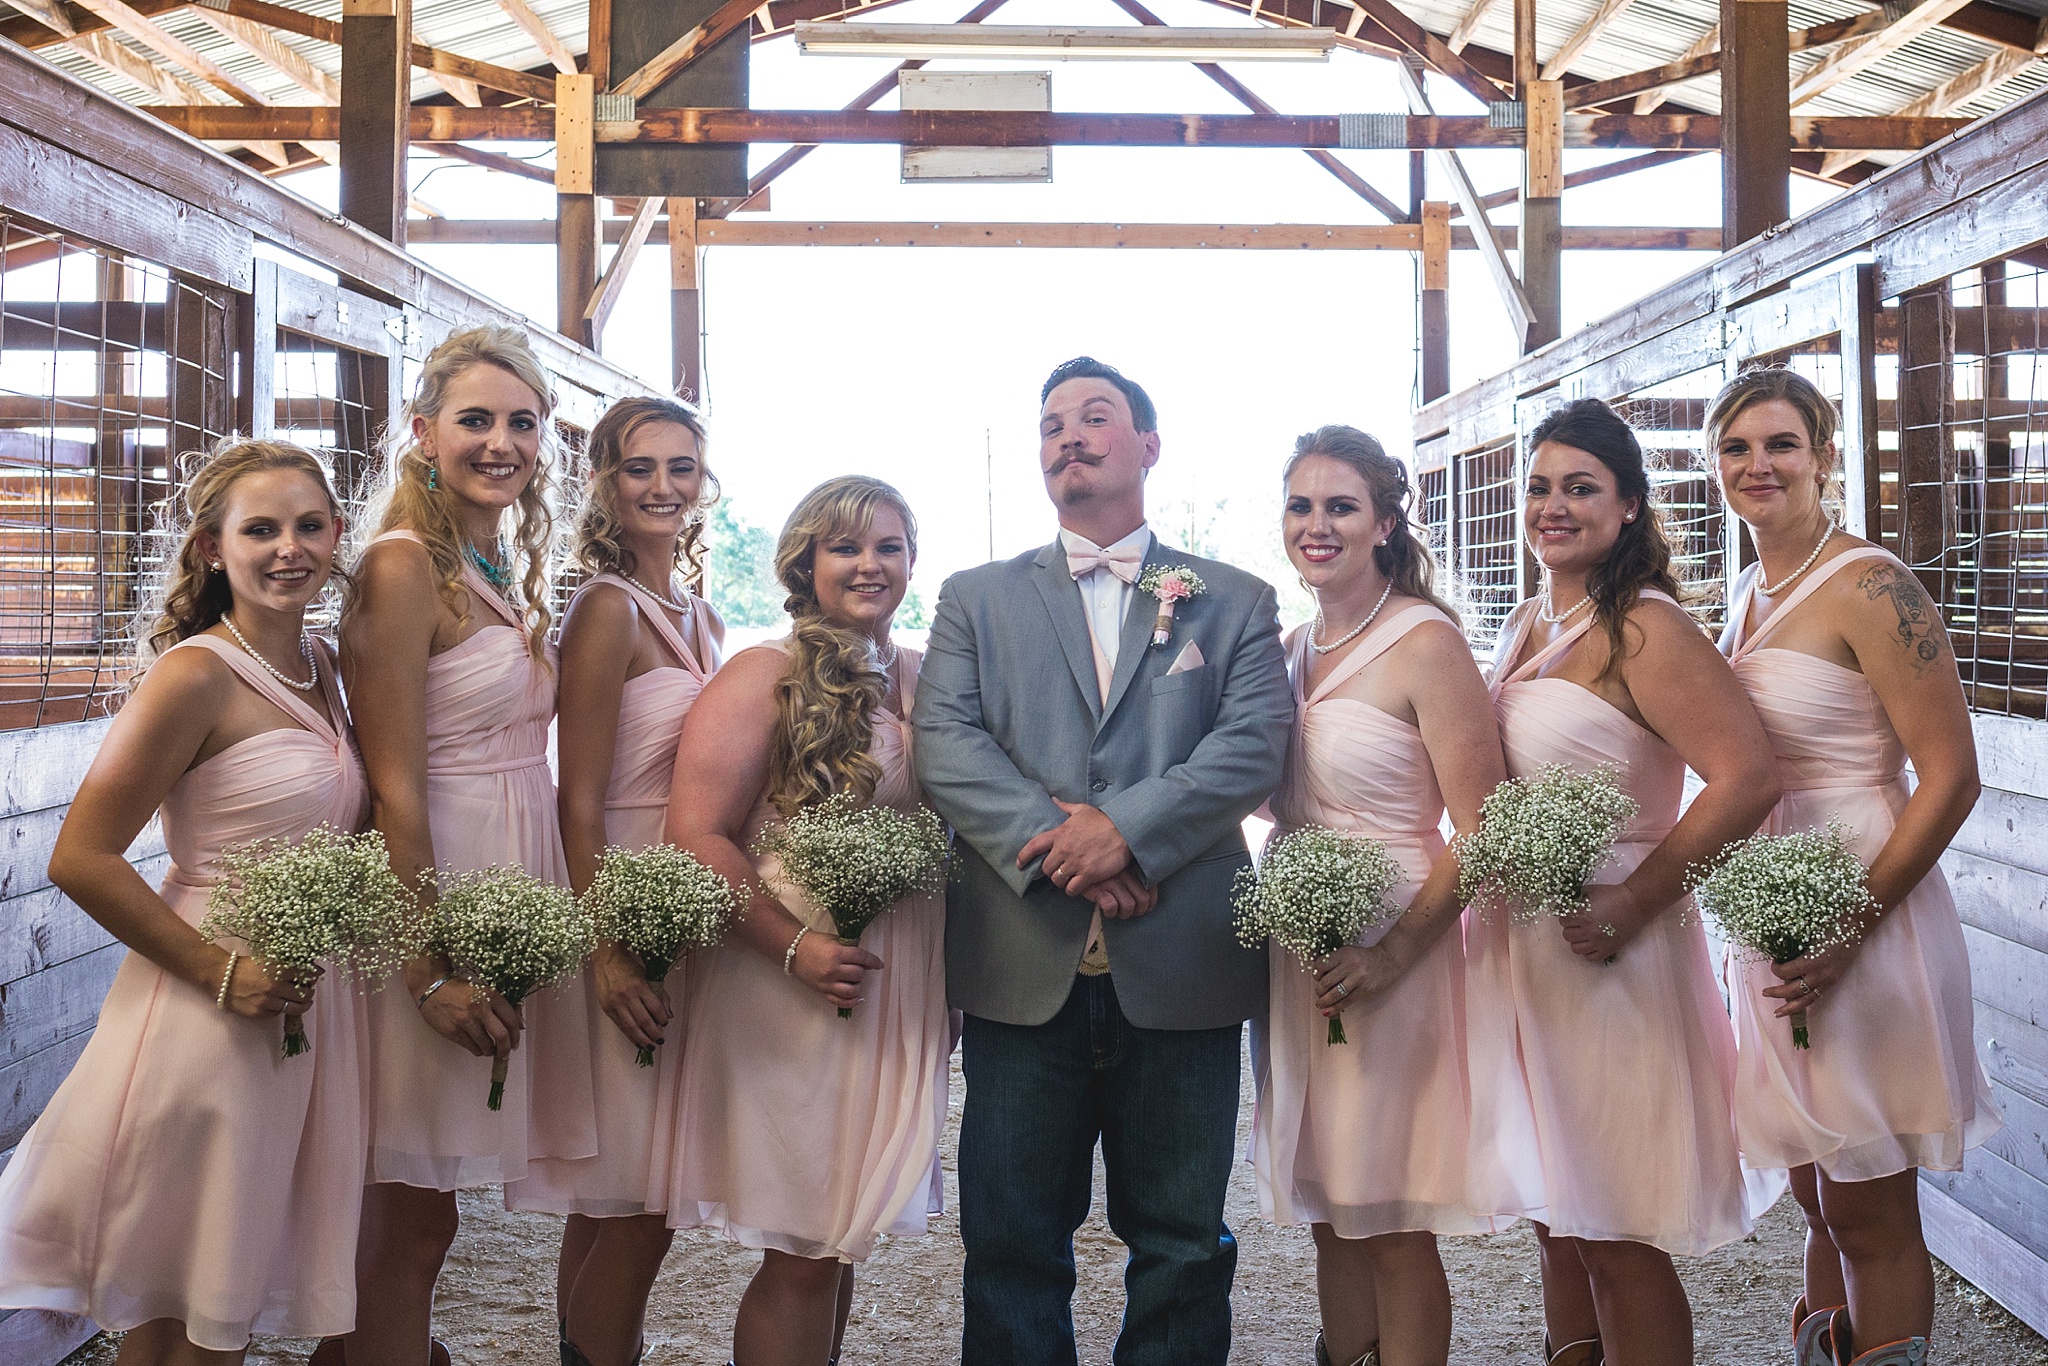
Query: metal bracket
[
  {"x": 1372, "y": 132},
  {"x": 1507, "y": 114},
  {"x": 615, "y": 108}
]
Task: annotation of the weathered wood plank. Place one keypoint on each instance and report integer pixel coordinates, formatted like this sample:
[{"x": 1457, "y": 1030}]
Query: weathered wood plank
[
  {"x": 2015, "y": 1053},
  {"x": 2006, "y": 1197},
  {"x": 45, "y": 928},
  {"x": 27, "y": 838},
  {"x": 2012, "y": 751},
  {"x": 1999, "y": 899},
  {"x": 1992, "y": 1261},
  {"x": 44, "y": 1010},
  {"x": 2008, "y": 976},
  {"x": 2006, "y": 827},
  {"x": 2024, "y": 1139},
  {"x": 26, "y": 1086},
  {"x": 43, "y": 1337},
  {"x": 40, "y": 767}
]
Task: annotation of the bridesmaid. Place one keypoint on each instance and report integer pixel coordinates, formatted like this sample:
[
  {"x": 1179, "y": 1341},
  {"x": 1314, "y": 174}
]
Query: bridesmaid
[
  {"x": 1623, "y": 1068},
  {"x": 189, "y": 1184},
  {"x": 444, "y": 643},
  {"x": 800, "y": 1133},
  {"x": 1847, "y": 663},
  {"x": 637, "y": 647},
  {"x": 1366, "y": 1141}
]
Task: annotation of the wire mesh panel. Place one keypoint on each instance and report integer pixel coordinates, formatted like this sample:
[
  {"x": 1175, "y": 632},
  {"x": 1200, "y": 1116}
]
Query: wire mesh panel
[
  {"x": 330, "y": 399},
  {"x": 1486, "y": 552},
  {"x": 108, "y": 366},
  {"x": 1668, "y": 419}
]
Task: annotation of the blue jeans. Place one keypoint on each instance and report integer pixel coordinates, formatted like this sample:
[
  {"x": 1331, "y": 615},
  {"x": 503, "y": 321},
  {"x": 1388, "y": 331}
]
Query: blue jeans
[{"x": 1164, "y": 1103}]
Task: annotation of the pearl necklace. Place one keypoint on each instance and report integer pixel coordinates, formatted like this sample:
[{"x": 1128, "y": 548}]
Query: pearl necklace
[
  {"x": 1351, "y": 634},
  {"x": 681, "y": 609},
  {"x": 305, "y": 649},
  {"x": 1549, "y": 618},
  {"x": 887, "y": 664},
  {"x": 1766, "y": 591}
]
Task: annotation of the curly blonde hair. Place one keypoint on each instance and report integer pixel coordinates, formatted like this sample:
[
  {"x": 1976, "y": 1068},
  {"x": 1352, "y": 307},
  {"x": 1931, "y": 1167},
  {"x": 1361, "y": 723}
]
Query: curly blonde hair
[
  {"x": 596, "y": 537},
  {"x": 826, "y": 699},
  {"x": 189, "y": 595},
  {"x": 410, "y": 502}
]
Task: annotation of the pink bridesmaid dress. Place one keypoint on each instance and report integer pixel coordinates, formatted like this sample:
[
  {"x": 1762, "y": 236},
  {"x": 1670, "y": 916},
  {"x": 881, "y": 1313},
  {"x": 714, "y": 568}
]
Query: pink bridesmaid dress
[
  {"x": 1369, "y": 1136},
  {"x": 615, "y": 1181},
  {"x": 1892, "y": 1079},
  {"x": 797, "y": 1130},
  {"x": 186, "y": 1169},
  {"x": 1615, "y": 1078},
  {"x": 490, "y": 801}
]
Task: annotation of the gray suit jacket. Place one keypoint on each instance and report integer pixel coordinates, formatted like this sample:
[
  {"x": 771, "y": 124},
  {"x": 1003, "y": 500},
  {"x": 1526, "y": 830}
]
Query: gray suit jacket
[{"x": 1009, "y": 716}]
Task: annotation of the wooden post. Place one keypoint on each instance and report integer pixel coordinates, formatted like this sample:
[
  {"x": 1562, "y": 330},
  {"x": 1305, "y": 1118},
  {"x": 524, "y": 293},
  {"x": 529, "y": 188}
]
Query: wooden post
[
  {"x": 686, "y": 300},
  {"x": 256, "y": 349},
  {"x": 597, "y": 61},
  {"x": 1756, "y": 119},
  {"x": 1418, "y": 184},
  {"x": 576, "y": 219},
  {"x": 1862, "y": 505},
  {"x": 376, "y": 100},
  {"x": 1543, "y": 212},
  {"x": 1527, "y": 69},
  {"x": 1926, "y": 422},
  {"x": 200, "y": 365},
  {"x": 1436, "y": 301}
]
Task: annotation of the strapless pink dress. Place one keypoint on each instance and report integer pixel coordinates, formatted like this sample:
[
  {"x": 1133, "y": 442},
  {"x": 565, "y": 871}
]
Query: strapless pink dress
[
  {"x": 490, "y": 801},
  {"x": 186, "y": 1169},
  {"x": 1892, "y": 1080},
  {"x": 797, "y": 1130},
  {"x": 614, "y": 1181},
  {"x": 1369, "y": 1136},
  {"x": 1617, "y": 1078}
]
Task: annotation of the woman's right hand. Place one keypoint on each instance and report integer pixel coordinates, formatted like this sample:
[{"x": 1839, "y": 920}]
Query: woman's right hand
[
  {"x": 637, "y": 1006},
  {"x": 833, "y": 969},
  {"x": 473, "y": 1017},
  {"x": 259, "y": 992}
]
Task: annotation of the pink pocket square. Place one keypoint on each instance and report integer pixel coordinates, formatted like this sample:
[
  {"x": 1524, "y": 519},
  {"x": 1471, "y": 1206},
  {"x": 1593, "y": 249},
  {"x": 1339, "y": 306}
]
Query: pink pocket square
[{"x": 1190, "y": 657}]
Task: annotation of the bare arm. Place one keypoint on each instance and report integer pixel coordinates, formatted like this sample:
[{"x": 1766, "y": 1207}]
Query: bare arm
[
  {"x": 155, "y": 738},
  {"x": 721, "y": 771},
  {"x": 387, "y": 638}
]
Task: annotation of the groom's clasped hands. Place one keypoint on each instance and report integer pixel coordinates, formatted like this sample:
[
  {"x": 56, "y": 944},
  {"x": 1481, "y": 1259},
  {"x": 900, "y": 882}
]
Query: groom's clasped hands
[{"x": 1086, "y": 856}]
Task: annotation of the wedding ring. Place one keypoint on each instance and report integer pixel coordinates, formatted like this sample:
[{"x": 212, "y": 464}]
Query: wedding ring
[{"x": 1343, "y": 990}]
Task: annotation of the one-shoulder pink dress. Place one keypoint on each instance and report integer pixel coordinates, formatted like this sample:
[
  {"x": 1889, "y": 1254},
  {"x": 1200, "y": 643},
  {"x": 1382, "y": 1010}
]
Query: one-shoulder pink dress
[
  {"x": 614, "y": 1181},
  {"x": 1892, "y": 1079},
  {"x": 1369, "y": 1136},
  {"x": 1621, "y": 1073},
  {"x": 490, "y": 801},
  {"x": 187, "y": 1169},
  {"x": 797, "y": 1130}
]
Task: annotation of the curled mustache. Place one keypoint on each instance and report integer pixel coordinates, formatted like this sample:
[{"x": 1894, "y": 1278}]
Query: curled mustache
[{"x": 1069, "y": 457}]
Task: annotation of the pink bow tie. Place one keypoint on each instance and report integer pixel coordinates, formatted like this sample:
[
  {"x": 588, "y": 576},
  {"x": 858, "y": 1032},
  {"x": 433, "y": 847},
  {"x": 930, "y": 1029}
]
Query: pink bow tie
[{"x": 1125, "y": 563}]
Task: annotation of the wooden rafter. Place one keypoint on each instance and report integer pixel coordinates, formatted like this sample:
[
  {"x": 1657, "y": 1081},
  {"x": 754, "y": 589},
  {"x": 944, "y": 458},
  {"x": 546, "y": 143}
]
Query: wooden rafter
[
  {"x": 551, "y": 47},
  {"x": 152, "y": 35},
  {"x": 1461, "y": 37},
  {"x": 613, "y": 282},
  {"x": 1433, "y": 51},
  {"x": 1703, "y": 58},
  {"x": 105, "y": 51},
  {"x": 1588, "y": 33},
  {"x": 1591, "y": 175},
  {"x": 1951, "y": 94},
  {"x": 490, "y": 161},
  {"x": 1710, "y": 41},
  {"x": 439, "y": 62},
  {"x": 49, "y": 13},
  {"x": 1861, "y": 53},
  {"x": 460, "y": 89},
  {"x": 262, "y": 44},
  {"x": 729, "y": 18}
]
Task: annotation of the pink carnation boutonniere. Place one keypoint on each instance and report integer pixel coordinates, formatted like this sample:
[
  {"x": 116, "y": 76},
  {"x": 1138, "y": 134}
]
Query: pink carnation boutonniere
[{"x": 1170, "y": 584}]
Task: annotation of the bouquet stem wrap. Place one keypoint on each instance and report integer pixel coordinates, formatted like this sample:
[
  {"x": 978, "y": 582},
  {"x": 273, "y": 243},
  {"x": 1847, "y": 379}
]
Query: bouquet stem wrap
[{"x": 1315, "y": 891}]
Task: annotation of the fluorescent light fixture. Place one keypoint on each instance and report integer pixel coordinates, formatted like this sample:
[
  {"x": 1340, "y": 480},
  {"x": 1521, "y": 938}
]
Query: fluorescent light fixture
[{"x": 1009, "y": 42}]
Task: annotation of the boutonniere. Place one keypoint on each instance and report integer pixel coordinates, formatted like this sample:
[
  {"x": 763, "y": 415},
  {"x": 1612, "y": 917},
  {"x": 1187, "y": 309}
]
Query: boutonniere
[{"x": 1169, "y": 583}]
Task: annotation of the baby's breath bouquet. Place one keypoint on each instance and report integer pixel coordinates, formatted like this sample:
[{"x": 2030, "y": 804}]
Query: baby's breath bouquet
[
  {"x": 855, "y": 861},
  {"x": 1541, "y": 837},
  {"x": 659, "y": 903},
  {"x": 505, "y": 929},
  {"x": 1312, "y": 894},
  {"x": 325, "y": 899},
  {"x": 1787, "y": 896}
]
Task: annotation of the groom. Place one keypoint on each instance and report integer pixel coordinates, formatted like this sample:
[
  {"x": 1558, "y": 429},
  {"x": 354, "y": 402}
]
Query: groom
[{"x": 1097, "y": 780}]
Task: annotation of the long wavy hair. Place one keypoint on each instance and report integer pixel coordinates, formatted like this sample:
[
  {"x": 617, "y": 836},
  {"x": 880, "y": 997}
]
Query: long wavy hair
[
  {"x": 1764, "y": 383},
  {"x": 189, "y": 595},
  {"x": 826, "y": 699},
  {"x": 596, "y": 539},
  {"x": 1641, "y": 554},
  {"x": 410, "y": 502},
  {"x": 1406, "y": 559}
]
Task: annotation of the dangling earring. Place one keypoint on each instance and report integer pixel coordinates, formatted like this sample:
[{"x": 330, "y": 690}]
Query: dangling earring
[{"x": 433, "y": 478}]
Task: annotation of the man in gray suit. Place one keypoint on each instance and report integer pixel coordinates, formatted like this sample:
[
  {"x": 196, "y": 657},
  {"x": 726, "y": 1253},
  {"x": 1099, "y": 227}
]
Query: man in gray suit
[{"x": 1097, "y": 782}]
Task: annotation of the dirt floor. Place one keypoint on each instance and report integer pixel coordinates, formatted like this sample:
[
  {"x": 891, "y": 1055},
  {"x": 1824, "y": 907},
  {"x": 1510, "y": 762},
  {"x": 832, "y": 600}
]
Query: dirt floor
[{"x": 496, "y": 1297}]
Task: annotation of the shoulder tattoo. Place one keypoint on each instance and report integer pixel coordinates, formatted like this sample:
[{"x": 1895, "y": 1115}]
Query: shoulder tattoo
[{"x": 1918, "y": 630}]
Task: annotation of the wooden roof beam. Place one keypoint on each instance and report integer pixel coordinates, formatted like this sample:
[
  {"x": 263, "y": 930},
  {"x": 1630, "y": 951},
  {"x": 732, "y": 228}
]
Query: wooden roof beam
[
  {"x": 49, "y": 13},
  {"x": 613, "y": 282},
  {"x": 1588, "y": 34},
  {"x": 1591, "y": 175},
  {"x": 551, "y": 47},
  {"x": 728, "y": 19},
  {"x": 1461, "y": 36},
  {"x": 1861, "y": 53},
  {"x": 262, "y": 44},
  {"x": 1951, "y": 94},
  {"x": 152, "y": 35},
  {"x": 1433, "y": 51},
  {"x": 1704, "y": 59},
  {"x": 490, "y": 161}
]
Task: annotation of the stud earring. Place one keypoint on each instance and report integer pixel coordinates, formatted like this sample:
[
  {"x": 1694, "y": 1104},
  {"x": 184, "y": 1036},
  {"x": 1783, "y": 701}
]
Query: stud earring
[{"x": 216, "y": 566}]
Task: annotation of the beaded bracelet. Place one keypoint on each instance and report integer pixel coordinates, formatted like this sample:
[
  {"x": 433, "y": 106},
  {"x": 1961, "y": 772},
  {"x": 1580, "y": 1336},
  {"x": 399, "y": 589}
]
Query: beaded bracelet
[
  {"x": 227, "y": 979},
  {"x": 789, "y": 954}
]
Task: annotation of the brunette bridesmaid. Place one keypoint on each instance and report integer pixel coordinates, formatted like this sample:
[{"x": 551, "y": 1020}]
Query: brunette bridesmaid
[
  {"x": 1600, "y": 1043},
  {"x": 1846, "y": 661},
  {"x": 637, "y": 647},
  {"x": 798, "y": 1132},
  {"x": 188, "y": 1184},
  {"x": 444, "y": 641},
  {"x": 1366, "y": 1141}
]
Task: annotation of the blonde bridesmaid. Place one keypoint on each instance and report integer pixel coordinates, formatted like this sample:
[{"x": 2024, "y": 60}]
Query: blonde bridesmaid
[
  {"x": 444, "y": 641},
  {"x": 188, "y": 1184},
  {"x": 1367, "y": 1141},
  {"x": 1848, "y": 665},
  {"x": 1617, "y": 1075},
  {"x": 637, "y": 646},
  {"x": 798, "y": 1132}
]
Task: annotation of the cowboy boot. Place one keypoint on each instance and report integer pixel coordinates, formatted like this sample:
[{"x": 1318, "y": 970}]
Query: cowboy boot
[
  {"x": 1371, "y": 1357},
  {"x": 330, "y": 1352},
  {"x": 1813, "y": 1334},
  {"x": 1904, "y": 1352},
  {"x": 1585, "y": 1352}
]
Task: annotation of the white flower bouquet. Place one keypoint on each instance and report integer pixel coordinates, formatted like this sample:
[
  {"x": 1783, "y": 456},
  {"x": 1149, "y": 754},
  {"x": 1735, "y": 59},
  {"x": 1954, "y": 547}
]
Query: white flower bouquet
[
  {"x": 659, "y": 903},
  {"x": 505, "y": 929},
  {"x": 1313, "y": 892},
  {"x": 323, "y": 900},
  {"x": 1785, "y": 897},
  {"x": 856, "y": 861},
  {"x": 1540, "y": 838}
]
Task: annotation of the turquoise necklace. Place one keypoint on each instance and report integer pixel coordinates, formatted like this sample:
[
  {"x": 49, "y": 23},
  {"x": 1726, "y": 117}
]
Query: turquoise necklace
[{"x": 497, "y": 575}]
